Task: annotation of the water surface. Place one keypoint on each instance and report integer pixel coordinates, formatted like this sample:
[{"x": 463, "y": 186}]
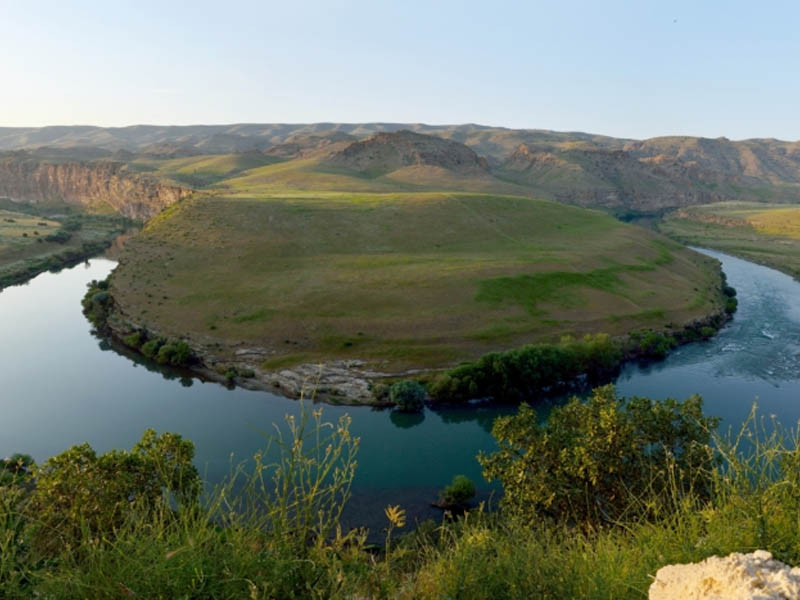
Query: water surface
[{"x": 60, "y": 386}]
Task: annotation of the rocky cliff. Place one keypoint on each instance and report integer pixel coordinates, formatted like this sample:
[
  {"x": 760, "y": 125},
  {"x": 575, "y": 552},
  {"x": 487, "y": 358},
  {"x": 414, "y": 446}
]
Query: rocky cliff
[{"x": 131, "y": 194}]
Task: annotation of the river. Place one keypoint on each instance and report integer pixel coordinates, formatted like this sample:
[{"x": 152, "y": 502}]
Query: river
[{"x": 61, "y": 386}]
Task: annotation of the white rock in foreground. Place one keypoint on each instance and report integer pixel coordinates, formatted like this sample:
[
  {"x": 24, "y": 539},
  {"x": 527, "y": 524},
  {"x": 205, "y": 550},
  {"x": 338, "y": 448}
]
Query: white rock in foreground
[{"x": 754, "y": 576}]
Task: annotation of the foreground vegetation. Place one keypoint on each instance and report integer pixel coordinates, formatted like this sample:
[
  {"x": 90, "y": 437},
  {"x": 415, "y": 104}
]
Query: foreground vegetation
[
  {"x": 31, "y": 242},
  {"x": 767, "y": 234},
  {"x": 596, "y": 500}
]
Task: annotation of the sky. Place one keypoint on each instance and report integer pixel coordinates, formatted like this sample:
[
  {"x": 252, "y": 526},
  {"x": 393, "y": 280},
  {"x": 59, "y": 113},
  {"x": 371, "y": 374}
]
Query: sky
[{"x": 633, "y": 69}]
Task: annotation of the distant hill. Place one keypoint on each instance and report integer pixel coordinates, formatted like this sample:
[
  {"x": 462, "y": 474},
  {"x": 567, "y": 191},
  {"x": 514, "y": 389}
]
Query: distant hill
[
  {"x": 624, "y": 176},
  {"x": 386, "y": 152}
]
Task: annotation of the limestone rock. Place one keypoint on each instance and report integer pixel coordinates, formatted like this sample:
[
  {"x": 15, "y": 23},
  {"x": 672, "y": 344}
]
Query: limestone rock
[{"x": 754, "y": 576}]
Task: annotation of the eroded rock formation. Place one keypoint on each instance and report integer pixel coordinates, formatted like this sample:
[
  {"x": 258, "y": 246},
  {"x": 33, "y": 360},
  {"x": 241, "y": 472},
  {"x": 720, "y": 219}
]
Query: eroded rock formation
[{"x": 133, "y": 195}]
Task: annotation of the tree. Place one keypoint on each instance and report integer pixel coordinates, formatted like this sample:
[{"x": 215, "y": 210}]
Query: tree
[
  {"x": 456, "y": 495},
  {"x": 407, "y": 396},
  {"x": 593, "y": 461},
  {"x": 79, "y": 489}
]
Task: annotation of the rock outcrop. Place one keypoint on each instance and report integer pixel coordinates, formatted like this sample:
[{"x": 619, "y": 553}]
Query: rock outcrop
[
  {"x": 754, "y": 576},
  {"x": 133, "y": 195},
  {"x": 386, "y": 152}
]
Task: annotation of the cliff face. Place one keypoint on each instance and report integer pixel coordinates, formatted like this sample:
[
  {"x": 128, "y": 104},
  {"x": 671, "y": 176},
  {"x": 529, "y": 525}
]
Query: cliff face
[{"x": 131, "y": 194}]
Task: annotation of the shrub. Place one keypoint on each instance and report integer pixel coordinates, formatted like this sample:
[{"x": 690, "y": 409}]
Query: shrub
[
  {"x": 651, "y": 344},
  {"x": 407, "y": 396},
  {"x": 530, "y": 370},
  {"x": 133, "y": 340},
  {"x": 15, "y": 469},
  {"x": 175, "y": 353},
  {"x": 150, "y": 348},
  {"x": 593, "y": 461},
  {"x": 59, "y": 237},
  {"x": 79, "y": 491},
  {"x": 456, "y": 495},
  {"x": 97, "y": 302},
  {"x": 707, "y": 332},
  {"x": 731, "y": 305}
]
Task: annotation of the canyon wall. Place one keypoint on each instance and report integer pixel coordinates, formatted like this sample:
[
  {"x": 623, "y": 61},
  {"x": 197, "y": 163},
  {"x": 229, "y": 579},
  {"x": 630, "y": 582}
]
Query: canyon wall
[{"x": 131, "y": 194}]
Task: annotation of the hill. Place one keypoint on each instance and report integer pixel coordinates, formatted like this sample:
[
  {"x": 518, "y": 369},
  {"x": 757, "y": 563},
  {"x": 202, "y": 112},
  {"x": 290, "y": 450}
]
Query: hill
[
  {"x": 386, "y": 152},
  {"x": 399, "y": 281},
  {"x": 626, "y": 177}
]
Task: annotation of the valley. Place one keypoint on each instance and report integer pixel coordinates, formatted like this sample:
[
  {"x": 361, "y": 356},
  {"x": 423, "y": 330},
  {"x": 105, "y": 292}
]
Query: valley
[
  {"x": 767, "y": 234},
  {"x": 347, "y": 256}
]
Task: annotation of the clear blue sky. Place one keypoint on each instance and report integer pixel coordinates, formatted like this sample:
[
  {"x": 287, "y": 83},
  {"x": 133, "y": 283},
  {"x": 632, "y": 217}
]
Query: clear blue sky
[{"x": 631, "y": 69}]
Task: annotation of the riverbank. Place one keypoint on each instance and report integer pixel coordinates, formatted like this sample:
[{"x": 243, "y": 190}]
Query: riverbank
[
  {"x": 34, "y": 239},
  {"x": 525, "y": 373},
  {"x": 766, "y": 234}
]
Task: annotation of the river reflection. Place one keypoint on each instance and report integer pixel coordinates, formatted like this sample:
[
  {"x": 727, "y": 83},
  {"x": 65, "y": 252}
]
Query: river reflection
[{"x": 61, "y": 386}]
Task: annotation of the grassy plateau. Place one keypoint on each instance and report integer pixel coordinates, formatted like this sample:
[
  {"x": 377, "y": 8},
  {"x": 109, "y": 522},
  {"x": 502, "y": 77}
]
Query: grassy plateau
[{"x": 400, "y": 280}]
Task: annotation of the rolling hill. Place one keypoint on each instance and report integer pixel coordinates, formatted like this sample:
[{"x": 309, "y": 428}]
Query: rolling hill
[{"x": 626, "y": 177}]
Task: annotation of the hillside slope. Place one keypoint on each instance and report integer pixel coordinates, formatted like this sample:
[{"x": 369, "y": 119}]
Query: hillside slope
[
  {"x": 400, "y": 281},
  {"x": 621, "y": 175}
]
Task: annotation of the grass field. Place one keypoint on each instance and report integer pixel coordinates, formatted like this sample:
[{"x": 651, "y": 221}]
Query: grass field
[
  {"x": 768, "y": 234},
  {"x": 204, "y": 170},
  {"x": 31, "y": 243},
  {"x": 401, "y": 280}
]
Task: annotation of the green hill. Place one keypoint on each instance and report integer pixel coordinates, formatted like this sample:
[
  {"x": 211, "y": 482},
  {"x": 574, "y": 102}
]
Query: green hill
[{"x": 403, "y": 280}]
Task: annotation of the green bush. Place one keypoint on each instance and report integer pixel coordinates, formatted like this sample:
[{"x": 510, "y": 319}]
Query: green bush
[
  {"x": 15, "y": 469},
  {"x": 530, "y": 370},
  {"x": 651, "y": 344},
  {"x": 59, "y": 237},
  {"x": 456, "y": 495},
  {"x": 97, "y": 303},
  {"x": 175, "y": 353},
  {"x": 407, "y": 396},
  {"x": 78, "y": 491},
  {"x": 133, "y": 340},
  {"x": 151, "y": 347},
  {"x": 595, "y": 461},
  {"x": 731, "y": 305}
]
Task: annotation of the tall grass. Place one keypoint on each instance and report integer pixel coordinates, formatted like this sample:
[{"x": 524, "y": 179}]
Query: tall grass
[{"x": 271, "y": 531}]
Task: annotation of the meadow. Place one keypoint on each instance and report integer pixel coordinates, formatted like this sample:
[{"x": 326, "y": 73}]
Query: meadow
[
  {"x": 31, "y": 242},
  {"x": 400, "y": 280},
  {"x": 767, "y": 234}
]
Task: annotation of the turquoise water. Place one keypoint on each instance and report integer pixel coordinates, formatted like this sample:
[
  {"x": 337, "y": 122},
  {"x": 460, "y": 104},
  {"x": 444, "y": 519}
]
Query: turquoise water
[{"x": 61, "y": 386}]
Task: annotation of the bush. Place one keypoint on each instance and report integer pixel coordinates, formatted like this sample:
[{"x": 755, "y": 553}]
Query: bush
[
  {"x": 175, "y": 353},
  {"x": 528, "y": 371},
  {"x": 15, "y": 469},
  {"x": 97, "y": 303},
  {"x": 731, "y": 305},
  {"x": 133, "y": 340},
  {"x": 594, "y": 461},
  {"x": 150, "y": 348},
  {"x": 651, "y": 344},
  {"x": 59, "y": 237},
  {"x": 707, "y": 332},
  {"x": 456, "y": 495},
  {"x": 407, "y": 396},
  {"x": 79, "y": 491}
]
